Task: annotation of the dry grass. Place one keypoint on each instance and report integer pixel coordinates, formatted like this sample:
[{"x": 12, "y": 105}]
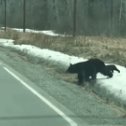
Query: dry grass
[{"x": 108, "y": 49}]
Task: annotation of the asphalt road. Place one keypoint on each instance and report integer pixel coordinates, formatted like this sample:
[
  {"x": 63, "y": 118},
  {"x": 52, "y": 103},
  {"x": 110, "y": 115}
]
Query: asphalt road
[
  {"x": 70, "y": 104},
  {"x": 22, "y": 105}
]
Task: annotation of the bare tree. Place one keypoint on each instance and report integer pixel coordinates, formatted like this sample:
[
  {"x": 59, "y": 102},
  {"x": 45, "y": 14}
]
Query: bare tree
[
  {"x": 5, "y": 14},
  {"x": 120, "y": 13},
  {"x": 24, "y": 15},
  {"x": 74, "y": 17}
]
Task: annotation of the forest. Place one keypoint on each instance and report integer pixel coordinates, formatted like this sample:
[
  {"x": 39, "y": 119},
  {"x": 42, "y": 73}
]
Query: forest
[{"x": 83, "y": 17}]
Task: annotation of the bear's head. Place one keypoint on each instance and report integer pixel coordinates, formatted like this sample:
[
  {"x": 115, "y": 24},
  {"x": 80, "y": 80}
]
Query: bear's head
[{"x": 107, "y": 72}]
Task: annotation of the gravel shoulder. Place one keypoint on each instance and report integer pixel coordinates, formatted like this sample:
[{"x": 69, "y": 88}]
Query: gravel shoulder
[{"x": 81, "y": 101}]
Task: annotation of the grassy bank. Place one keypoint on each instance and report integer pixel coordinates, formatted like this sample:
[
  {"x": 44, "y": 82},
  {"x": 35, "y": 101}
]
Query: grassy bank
[{"x": 105, "y": 48}]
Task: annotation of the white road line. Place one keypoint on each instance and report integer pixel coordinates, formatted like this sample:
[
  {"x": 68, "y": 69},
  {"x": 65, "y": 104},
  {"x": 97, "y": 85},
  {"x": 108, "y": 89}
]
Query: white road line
[{"x": 42, "y": 98}]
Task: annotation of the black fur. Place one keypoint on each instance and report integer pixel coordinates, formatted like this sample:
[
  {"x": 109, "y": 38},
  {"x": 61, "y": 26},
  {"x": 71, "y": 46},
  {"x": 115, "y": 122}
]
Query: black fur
[
  {"x": 88, "y": 70},
  {"x": 112, "y": 68}
]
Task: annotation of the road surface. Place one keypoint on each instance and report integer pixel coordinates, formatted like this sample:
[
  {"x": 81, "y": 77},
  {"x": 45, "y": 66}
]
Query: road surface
[{"x": 22, "y": 105}]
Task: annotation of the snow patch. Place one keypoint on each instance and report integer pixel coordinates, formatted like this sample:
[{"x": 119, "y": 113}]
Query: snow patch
[{"x": 115, "y": 85}]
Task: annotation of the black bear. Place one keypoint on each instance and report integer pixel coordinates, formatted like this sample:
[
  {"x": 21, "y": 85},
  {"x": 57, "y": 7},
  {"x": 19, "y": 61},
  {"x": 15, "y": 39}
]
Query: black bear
[
  {"x": 88, "y": 70},
  {"x": 112, "y": 68}
]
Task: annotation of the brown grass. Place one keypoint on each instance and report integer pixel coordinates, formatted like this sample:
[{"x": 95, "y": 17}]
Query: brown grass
[{"x": 106, "y": 48}]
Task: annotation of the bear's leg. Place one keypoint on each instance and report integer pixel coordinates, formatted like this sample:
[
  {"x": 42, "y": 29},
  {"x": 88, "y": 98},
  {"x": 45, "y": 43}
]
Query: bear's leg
[
  {"x": 81, "y": 78},
  {"x": 87, "y": 77},
  {"x": 93, "y": 73},
  {"x": 93, "y": 76}
]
